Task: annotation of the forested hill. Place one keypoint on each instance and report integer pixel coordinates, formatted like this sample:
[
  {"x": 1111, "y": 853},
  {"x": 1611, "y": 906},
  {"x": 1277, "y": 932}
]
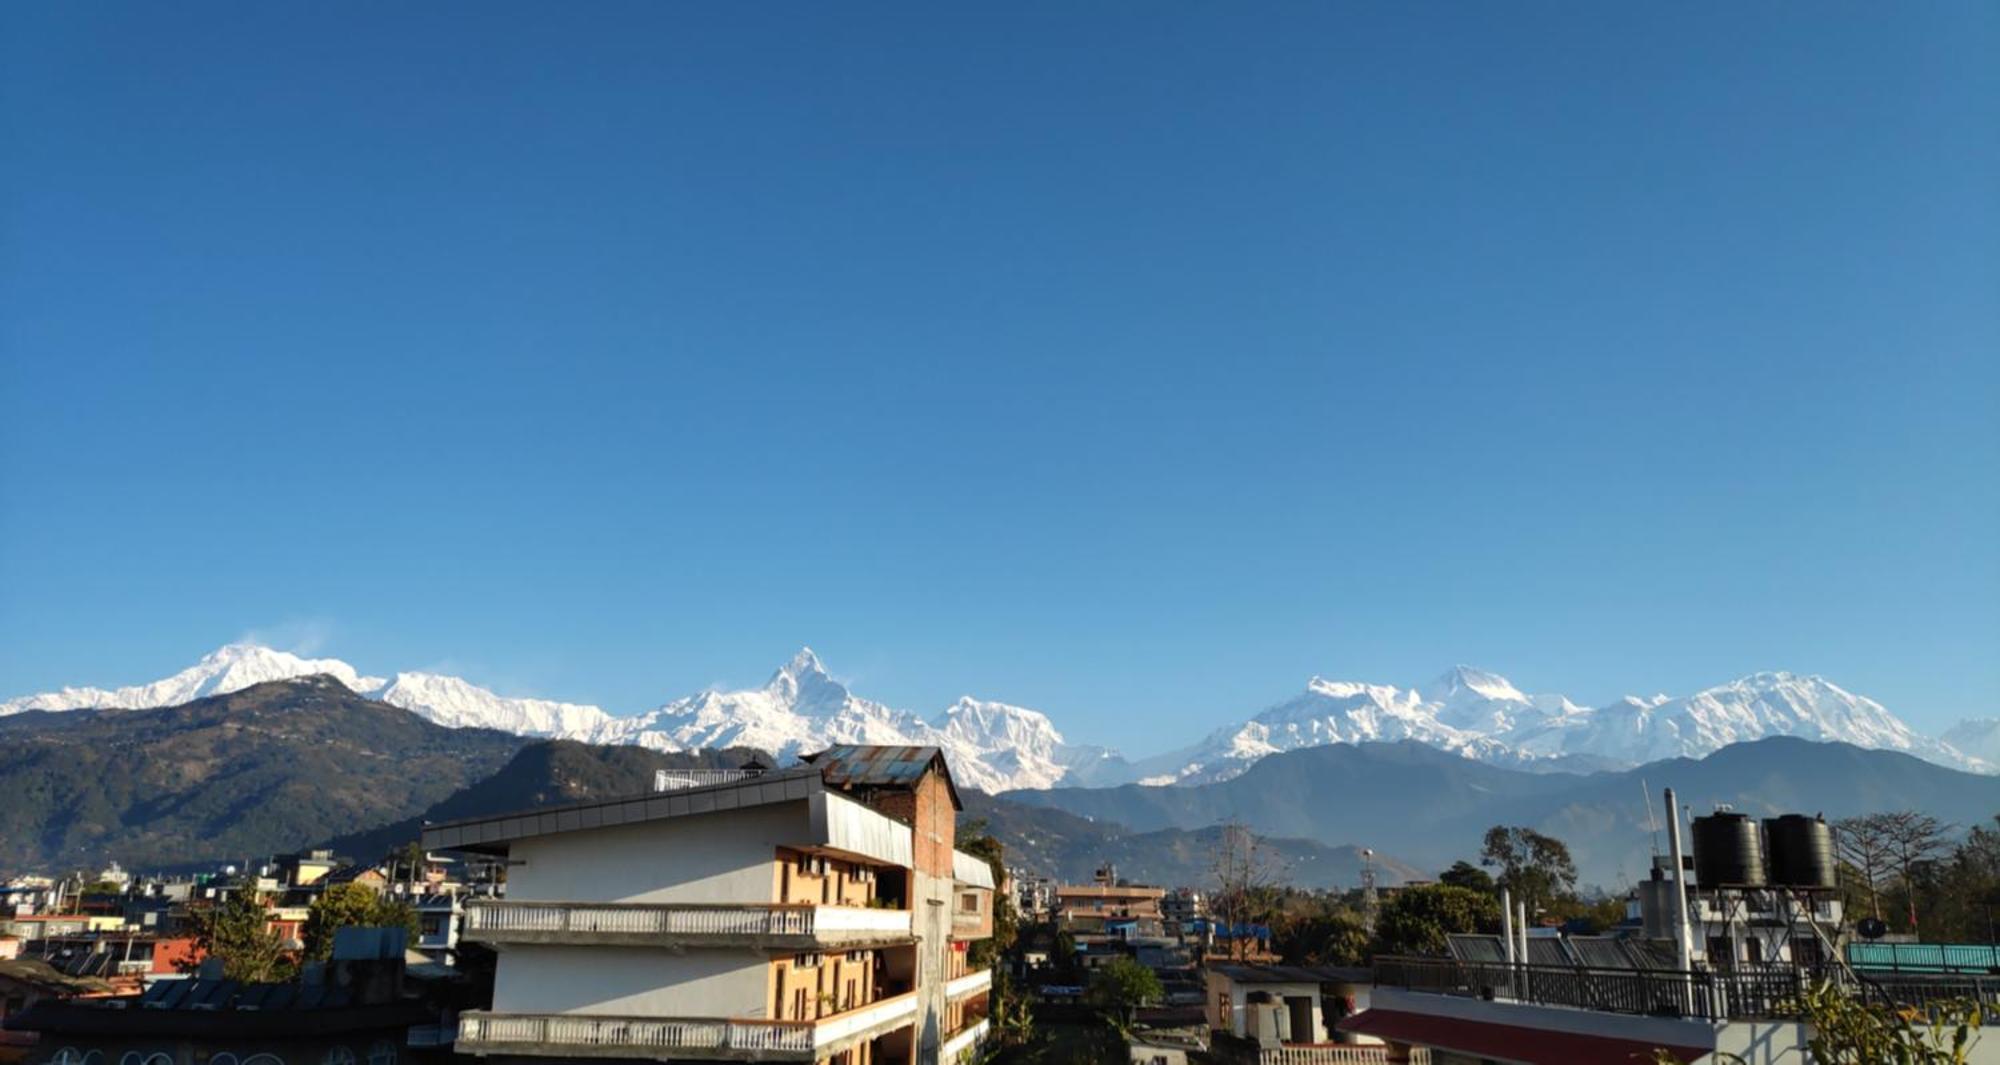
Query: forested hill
[{"x": 267, "y": 769}]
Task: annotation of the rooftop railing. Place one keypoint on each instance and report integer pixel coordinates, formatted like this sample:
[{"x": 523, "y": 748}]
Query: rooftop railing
[
  {"x": 676, "y": 779},
  {"x": 1717, "y": 995}
]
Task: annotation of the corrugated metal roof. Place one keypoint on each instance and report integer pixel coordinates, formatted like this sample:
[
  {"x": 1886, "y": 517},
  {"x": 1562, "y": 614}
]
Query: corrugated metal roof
[
  {"x": 872, "y": 766},
  {"x": 495, "y": 831},
  {"x": 969, "y": 869}
]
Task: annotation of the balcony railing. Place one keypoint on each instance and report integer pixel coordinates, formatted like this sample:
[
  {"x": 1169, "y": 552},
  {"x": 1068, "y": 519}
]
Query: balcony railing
[
  {"x": 1318, "y": 1054},
  {"x": 598, "y": 1035},
  {"x": 604, "y": 922},
  {"x": 962, "y": 1045},
  {"x": 969, "y": 983}
]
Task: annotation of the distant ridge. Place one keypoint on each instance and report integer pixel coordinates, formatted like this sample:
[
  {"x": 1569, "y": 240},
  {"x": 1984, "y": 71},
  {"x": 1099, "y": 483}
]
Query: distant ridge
[
  {"x": 1429, "y": 806},
  {"x": 999, "y": 746}
]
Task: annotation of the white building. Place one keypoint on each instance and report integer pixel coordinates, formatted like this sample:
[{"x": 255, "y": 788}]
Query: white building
[{"x": 816, "y": 914}]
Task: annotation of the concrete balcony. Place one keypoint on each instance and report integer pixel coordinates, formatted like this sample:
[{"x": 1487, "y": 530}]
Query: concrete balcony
[
  {"x": 970, "y": 983},
  {"x": 757, "y": 926},
  {"x": 572, "y": 1035},
  {"x": 965, "y": 1044}
]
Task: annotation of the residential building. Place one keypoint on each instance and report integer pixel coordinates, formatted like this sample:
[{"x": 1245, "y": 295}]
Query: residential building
[
  {"x": 365, "y": 1005},
  {"x": 1107, "y": 899},
  {"x": 1285, "y": 1014},
  {"x": 1181, "y": 907},
  {"x": 815, "y": 914}
]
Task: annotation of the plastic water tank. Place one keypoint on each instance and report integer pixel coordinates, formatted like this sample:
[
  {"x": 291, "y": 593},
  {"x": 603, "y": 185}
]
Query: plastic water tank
[
  {"x": 1801, "y": 851},
  {"x": 1727, "y": 850}
]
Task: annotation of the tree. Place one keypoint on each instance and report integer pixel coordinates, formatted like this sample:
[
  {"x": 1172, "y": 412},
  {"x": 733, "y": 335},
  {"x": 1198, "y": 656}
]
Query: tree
[
  {"x": 238, "y": 931},
  {"x": 1914, "y": 839},
  {"x": 1467, "y": 875},
  {"x": 1246, "y": 875},
  {"x": 1850, "y": 1031},
  {"x": 1332, "y": 938},
  {"x": 1013, "y": 1020},
  {"x": 1120, "y": 987},
  {"x": 1417, "y": 919},
  {"x": 1863, "y": 843},
  {"x": 1536, "y": 869},
  {"x": 352, "y": 906}
]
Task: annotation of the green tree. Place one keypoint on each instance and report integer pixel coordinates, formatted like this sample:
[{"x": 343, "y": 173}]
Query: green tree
[
  {"x": 1849, "y": 1031},
  {"x": 238, "y": 931},
  {"x": 1013, "y": 1020},
  {"x": 1417, "y": 919},
  {"x": 1467, "y": 875},
  {"x": 1120, "y": 987},
  {"x": 1536, "y": 869},
  {"x": 352, "y": 906},
  {"x": 1334, "y": 937}
]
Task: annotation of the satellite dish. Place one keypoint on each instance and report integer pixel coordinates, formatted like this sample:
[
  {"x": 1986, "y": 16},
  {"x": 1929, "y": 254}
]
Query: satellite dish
[{"x": 1872, "y": 928}]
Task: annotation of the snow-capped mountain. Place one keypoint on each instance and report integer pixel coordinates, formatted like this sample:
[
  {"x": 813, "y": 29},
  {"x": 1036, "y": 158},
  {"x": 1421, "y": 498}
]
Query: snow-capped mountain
[
  {"x": 995, "y": 746},
  {"x": 228, "y": 669},
  {"x": 446, "y": 700},
  {"x": 799, "y": 710},
  {"x": 459, "y": 703},
  {"x": 1978, "y": 737},
  {"x": 992, "y": 746},
  {"x": 1484, "y": 716}
]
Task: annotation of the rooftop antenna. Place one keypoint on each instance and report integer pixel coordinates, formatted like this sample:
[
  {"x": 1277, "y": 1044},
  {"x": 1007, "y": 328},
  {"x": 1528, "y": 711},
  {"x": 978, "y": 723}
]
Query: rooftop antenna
[
  {"x": 1652, "y": 823},
  {"x": 1371, "y": 902}
]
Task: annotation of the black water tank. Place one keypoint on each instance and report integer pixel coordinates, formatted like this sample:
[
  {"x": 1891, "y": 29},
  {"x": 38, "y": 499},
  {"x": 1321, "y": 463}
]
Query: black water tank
[
  {"x": 1727, "y": 850},
  {"x": 1801, "y": 851}
]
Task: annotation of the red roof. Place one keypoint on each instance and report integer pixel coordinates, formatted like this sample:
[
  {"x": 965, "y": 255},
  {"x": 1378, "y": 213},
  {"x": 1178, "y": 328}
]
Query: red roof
[{"x": 1508, "y": 1042}]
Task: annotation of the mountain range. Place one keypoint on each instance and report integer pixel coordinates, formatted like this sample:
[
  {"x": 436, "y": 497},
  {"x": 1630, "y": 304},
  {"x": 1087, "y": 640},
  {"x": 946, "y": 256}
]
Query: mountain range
[
  {"x": 996, "y": 746},
  {"x": 288, "y": 764},
  {"x": 1431, "y": 807}
]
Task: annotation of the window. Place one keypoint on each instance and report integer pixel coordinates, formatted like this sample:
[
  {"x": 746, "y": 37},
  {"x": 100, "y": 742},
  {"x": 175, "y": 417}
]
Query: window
[
  {"x": 806, "y": 961},
  {"x": 336, "y": 1056},
  {"x": 968, "y": 903},
  {"x": 382, "y": 1052}
]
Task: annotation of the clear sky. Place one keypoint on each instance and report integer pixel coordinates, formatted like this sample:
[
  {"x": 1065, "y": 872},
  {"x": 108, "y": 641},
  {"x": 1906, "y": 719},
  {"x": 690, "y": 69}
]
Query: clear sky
[{"x": 1129, "y": 361}]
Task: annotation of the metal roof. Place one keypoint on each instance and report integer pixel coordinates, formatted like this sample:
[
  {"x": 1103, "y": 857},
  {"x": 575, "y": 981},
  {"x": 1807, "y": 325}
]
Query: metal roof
[
  {"x": 493, "y": 832},
  {"x": 972, "y": 870},
  {"x": 871, "y": 766}
]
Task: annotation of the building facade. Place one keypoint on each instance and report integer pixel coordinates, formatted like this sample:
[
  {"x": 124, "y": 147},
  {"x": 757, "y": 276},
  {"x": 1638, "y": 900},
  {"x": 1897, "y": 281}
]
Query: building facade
[{"x": 816, "y": 914}]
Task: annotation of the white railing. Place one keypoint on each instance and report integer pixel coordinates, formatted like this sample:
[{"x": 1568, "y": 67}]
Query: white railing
[
  {"x": 491, "y": 1031},
  {"x": 964, "y": 1043},
  {"x": 677, "y": 919},
  {"x": 637, "y": 1033},
  {"x": 676, "y": 779},
  {"x": 874, "y": 1015},
  {"x": 859, "y": 919},
  {"x": 1335, "y": 1054},
  {"x": 969, "y": 983}
]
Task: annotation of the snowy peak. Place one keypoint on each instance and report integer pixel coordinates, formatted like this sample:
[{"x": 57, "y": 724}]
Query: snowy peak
[
  {"x": 449, "y": 701},
  {"x": 232, "y": 667},
  {"x": 997, "y": 746},
  {"x": 1463, "y": 683},
  {"x": 1483, "y": 715},
  {"x": 458, "y": 703}
]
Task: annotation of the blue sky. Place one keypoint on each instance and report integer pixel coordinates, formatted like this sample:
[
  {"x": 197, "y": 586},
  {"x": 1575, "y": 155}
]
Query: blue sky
[{"x": 1129, "y": 361}]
